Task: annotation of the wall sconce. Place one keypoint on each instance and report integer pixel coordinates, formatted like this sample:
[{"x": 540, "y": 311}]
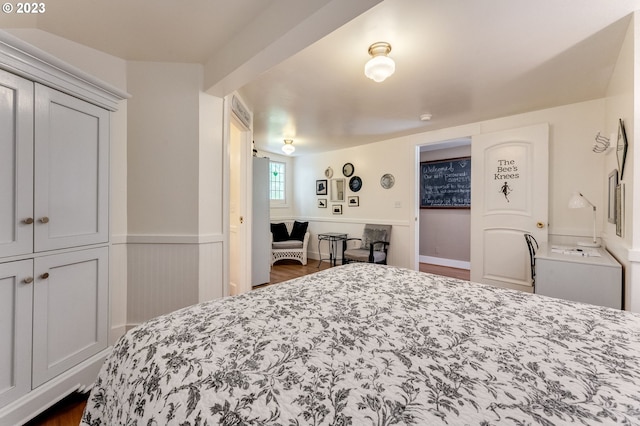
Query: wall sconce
[
  {"x": 288, "y": 147},
  {"x": 578, "y": 201},
  {"x": 380, "y": 66},
  {"x": 601, "y": 144}
]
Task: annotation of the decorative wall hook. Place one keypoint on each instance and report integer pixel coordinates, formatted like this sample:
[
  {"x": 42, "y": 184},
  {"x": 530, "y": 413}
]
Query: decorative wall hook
[{"x": 601, "y": 143}]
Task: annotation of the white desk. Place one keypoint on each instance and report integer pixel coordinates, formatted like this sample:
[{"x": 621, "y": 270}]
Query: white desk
[{"x": 575, "y": 275}]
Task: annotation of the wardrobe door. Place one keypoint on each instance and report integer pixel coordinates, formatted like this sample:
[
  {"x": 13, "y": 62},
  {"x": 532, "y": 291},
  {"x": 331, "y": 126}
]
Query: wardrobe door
[
  {"x": 16, "y": 165},
  {"x": 71, "y": 171},
  {"x": 16, "y": 287},
  {"x": 70, "y": 310}
]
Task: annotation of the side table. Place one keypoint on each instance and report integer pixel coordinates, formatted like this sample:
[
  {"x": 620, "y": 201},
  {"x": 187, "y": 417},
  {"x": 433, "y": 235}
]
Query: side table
[{"x": 333, "y": 238}]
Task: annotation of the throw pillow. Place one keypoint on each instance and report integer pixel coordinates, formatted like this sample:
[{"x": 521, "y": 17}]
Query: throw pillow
[
  {"x": 371, "y": 235},
  {"x": 279, "y": 231},
  {"x": 298, "y": 230}
]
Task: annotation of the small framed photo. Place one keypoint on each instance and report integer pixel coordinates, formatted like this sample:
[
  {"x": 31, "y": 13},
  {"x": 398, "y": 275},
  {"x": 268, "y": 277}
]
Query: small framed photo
[
  {"x": 321, "y": 187},
  {"x": 620, "y": 210},
  {"x": 322, "y": 203},
  {"x": 613, "y": 184},
  {"x": 353, "y": 201},
  {"x": 337, "y": 208}
]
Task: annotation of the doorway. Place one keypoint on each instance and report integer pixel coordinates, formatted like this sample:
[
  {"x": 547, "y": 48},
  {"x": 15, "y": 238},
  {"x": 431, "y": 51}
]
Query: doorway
[{"x": 443, "y": 234}]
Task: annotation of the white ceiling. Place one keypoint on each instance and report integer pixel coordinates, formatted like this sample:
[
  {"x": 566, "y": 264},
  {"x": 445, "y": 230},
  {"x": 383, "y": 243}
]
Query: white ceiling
[{"x": 460, "y": 60}]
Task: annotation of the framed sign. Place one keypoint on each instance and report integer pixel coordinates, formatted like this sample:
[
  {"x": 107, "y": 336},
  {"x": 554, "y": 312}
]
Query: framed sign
[{"x": 446, "y": 183}]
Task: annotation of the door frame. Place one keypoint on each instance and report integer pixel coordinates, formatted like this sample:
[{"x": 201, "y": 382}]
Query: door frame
[
  {"x": 441, "y": 140},
  {"x": 246, "y": 184}
]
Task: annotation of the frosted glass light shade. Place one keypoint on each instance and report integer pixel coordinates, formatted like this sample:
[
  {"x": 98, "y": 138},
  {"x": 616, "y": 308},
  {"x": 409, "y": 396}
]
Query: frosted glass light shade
[
  {"x": 379, "y": 68},
  {"x": 288, "y": 147}
]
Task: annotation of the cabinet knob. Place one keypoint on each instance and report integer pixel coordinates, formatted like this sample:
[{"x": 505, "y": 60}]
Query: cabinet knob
[
  {"x": 28, "y": 280},
  {"x": 44, "y": 276},
  {"x": 28, "y": 221},
  {"x": 540, "y": 225},
  {"x": 44, "y": 219}
]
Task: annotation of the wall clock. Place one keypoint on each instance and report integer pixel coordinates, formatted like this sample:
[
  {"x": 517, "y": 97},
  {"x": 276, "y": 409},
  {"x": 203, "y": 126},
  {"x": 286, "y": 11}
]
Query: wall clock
[
  {"x": 355, "y": 183},
  {"x": 347, "y": 169}
]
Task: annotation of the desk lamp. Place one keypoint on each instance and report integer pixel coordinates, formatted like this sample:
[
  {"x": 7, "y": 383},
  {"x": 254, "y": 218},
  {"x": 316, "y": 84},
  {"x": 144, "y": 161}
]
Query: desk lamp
[{"x": 578, "y": 201}]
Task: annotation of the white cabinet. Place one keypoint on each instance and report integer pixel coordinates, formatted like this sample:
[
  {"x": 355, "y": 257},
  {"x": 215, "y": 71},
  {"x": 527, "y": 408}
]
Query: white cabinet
[
  {"x": 16, "y": 296},
  {"x": 16, "y": 165},
  {"x": 572, "y": 274},
  {"x": 71, "y": 171},
  {"x": 54, "y": 217},
  {"x": 62, "y": 201},
  {"x": 54, "y": 316},
  {"x": 70, "y": 318}
]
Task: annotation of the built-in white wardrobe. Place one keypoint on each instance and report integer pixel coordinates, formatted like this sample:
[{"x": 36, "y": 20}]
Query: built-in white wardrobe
[{"x": 54, "y": 231}]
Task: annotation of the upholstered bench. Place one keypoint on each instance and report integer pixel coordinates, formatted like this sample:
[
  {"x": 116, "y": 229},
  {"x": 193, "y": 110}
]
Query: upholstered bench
[{"x": 289, "y": 240}]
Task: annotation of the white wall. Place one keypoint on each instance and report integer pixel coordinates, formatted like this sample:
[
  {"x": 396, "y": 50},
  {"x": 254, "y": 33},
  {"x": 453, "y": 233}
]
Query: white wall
[
  {"x": 175, "y": 215},
  {"x": 163, "y": 148},
  {"x": 377, "y": 205},
  {"x": 620, "y": 103},
  {"x": 572, "y": 166}
]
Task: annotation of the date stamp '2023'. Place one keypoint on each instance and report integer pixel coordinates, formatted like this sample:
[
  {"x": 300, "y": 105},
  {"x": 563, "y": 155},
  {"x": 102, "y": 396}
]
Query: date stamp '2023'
[{"x": 24, "y": 8}]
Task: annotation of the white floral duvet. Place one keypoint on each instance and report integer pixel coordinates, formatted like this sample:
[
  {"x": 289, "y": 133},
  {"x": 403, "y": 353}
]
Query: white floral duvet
[{"x": 366, "y": 344}]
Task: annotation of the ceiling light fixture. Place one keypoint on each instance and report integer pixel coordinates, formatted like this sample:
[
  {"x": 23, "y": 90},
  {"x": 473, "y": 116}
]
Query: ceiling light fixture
[
  {"x": 288, "y": 147},
  {"x": 380, "y": 66},
  {"x": 426, "y": 117}
]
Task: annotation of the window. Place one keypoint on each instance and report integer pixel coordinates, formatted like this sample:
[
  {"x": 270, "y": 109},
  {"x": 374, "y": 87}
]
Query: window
[{"x": 277, "y": 186}]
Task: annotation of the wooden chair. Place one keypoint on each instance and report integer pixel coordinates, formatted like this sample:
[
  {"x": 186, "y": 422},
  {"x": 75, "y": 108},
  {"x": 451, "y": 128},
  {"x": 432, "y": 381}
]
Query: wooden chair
[{"x": 373, "y": 246}]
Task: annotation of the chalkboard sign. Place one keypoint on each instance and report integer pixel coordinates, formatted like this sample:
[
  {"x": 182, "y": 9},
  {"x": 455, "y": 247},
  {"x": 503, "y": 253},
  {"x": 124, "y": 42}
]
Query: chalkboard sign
[{"x": 446, "y": 183}]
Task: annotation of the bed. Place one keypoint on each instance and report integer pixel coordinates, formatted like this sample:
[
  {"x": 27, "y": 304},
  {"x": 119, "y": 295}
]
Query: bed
[{"x": 365, "y": 344}]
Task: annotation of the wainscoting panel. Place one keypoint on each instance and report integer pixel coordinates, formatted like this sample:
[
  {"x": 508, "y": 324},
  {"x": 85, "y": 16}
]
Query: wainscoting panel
[
  {"x": 117, "y": 291},
  {"x": 211, "y": 281},
  {"x": 161, "y": 279}
]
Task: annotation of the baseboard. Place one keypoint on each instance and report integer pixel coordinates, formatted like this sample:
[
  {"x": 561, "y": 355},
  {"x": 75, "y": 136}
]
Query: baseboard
[{"x": 451, "y": 263}]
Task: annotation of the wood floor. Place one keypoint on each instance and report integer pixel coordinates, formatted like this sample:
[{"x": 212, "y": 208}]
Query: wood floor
[{"x": 68, "y": 412}]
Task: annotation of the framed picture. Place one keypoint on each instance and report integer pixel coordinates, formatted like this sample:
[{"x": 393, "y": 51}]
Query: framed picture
[
  {"x": 321, "y": 187},
  {"x": 621, "y": 148},
  {"x": 353, "y": 201},
  {"x": 337, "y": 208},
  {"x": 322, "y": 203},
  {"x": 613, "y": 183},
  {"x": 620, "y": 210}
]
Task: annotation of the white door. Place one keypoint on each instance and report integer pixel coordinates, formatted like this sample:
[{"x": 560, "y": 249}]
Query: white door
[
  {"x": 239, "y": 244},
  {"x": 16, "y": 165},
  {"x": 71, "y": 171},
  {"x": 509, "y": 197}
]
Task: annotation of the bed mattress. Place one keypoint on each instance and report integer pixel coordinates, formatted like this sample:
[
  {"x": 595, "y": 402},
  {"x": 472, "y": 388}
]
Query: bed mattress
[{"x": 366, "y": 344}]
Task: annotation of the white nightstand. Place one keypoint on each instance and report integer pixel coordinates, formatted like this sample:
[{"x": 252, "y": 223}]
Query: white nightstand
[{"x": 589, "y": 275}]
